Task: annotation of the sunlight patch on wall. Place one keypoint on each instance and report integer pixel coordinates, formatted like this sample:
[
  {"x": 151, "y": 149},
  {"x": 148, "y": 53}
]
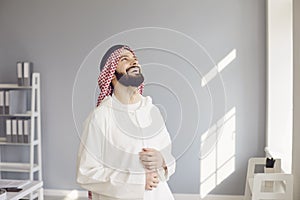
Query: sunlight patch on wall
[
  {"x": 217, "y": 69},
  {"x": 217, "y": 152}
]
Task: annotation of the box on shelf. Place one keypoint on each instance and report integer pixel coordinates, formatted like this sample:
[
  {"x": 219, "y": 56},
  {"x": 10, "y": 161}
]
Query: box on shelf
[
  {"x": 27, "y": 128},
  {"x": 1, "y": 102},
  {"x": 24, "y": 73},
  {"x": 15, "y": 102},
  {"x": 8, "y": 130},
  {"x": 20, "y": 73},
  {"x": 18, "y": 130},
  {"x": 14, "y": 130}
]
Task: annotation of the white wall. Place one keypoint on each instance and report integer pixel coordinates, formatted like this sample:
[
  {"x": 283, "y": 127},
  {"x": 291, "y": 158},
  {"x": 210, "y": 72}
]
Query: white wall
[{"x": 280, "y": 81}]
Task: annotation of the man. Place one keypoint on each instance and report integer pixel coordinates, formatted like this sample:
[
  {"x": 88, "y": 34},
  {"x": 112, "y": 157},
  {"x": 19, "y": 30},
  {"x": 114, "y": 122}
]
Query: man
[{"x": 125, "y": 149}]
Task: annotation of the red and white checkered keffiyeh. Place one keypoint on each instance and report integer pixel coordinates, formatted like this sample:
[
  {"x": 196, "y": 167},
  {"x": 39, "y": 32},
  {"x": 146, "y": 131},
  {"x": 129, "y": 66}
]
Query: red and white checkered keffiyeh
[{"x": 107, "y": 73}]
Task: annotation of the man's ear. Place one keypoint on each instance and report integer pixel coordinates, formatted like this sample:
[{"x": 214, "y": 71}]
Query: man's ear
[{"x": 113, "y": 80}]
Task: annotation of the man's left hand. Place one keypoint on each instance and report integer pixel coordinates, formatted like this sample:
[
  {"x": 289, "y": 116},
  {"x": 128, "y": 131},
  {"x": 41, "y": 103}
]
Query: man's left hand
[{"x": 151, "y": 159}]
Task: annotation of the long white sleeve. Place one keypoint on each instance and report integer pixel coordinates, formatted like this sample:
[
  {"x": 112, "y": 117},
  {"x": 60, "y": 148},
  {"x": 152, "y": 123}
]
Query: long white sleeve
[
  {"x": 168, "y": 158},
  {"x": 91, "y": 171}
]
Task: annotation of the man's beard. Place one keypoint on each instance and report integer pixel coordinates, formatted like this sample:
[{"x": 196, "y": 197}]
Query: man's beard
[{"x": 130, "y": 80}]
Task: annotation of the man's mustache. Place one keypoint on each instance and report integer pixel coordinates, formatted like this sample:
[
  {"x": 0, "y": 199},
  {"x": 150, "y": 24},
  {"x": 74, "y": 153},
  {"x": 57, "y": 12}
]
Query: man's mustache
[{"x": 133, "y": 67}]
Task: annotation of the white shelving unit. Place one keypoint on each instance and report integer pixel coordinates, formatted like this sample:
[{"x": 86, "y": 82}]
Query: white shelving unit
[{"x": 35, "y": 158}]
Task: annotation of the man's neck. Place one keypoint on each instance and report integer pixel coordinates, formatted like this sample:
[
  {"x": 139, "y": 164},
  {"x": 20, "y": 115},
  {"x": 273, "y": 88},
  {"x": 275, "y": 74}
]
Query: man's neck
[{"x": 127, "y": 95}]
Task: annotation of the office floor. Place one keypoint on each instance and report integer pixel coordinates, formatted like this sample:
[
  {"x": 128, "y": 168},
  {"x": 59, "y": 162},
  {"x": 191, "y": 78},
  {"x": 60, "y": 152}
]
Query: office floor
[{"x": 61, "y": 198}]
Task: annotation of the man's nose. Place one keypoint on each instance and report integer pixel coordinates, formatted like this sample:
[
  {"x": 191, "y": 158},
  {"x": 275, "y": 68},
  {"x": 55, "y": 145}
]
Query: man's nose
[{"x": 134, "y": 62}]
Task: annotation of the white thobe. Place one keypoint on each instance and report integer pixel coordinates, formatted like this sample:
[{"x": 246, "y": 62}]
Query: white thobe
[{"x": 108, "y": 158}]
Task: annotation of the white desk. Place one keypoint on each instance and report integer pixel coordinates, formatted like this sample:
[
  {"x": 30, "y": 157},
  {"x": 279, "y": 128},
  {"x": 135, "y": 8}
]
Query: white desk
[
  {"x": 33, "y": 186},
  {"x": 274, "y": 185}
]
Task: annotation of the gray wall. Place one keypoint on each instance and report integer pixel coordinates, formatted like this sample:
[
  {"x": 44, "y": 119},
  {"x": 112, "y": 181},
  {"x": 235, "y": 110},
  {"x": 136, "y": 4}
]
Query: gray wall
[
  {"x": 58, "y": 35},
  {"x": 296, "y": 112}
]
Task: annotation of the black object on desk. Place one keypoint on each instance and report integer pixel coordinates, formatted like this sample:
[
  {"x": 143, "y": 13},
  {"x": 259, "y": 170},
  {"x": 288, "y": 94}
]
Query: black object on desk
[
  {"x": 12, "y": 189},
  {"x": 270, "y": 163}
]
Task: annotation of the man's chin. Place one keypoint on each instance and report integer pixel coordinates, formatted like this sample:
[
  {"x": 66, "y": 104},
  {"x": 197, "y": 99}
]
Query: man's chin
[
  {"x": 130, "y": 80},
  {"x": 133, "y": 86}
]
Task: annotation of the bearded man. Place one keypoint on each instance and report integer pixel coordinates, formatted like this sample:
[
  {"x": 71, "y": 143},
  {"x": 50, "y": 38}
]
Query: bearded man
[{"x": 125, "y": 149}]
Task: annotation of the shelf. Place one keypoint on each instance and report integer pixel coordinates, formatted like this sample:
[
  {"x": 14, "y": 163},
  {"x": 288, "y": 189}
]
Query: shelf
[
  {"x": 19, "y": 115},
  {"x": 17, "y": 167},
  {"x": 13, "y": 87},
  {"x": 33, "y": 112},
  {"x": 35, "y": 142}
]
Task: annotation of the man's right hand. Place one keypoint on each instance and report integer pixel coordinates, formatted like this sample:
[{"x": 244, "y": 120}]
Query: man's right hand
[{"x": 151, "y": 180}]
